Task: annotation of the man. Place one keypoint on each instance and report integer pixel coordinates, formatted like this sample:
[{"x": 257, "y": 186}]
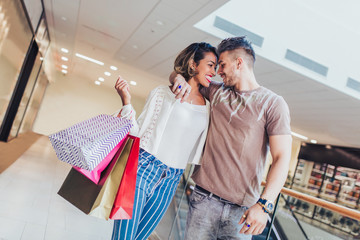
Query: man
[{"x": 245, "y": 120}]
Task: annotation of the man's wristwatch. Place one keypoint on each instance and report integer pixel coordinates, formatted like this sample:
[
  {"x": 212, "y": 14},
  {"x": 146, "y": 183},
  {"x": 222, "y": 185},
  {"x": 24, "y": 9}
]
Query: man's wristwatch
[{"x": 267, "y": 205}]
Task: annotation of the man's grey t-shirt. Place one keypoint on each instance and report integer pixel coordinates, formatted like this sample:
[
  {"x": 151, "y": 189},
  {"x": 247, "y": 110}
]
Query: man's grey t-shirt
[{"x": 237, "y": 143}]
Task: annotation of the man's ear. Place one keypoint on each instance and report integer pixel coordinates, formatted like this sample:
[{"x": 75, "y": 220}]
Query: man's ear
[{"x": 239, "y": 62}]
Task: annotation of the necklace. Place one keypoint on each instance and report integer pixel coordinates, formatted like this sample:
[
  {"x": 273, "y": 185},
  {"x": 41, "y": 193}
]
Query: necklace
[{"x": 193, "y": 98}]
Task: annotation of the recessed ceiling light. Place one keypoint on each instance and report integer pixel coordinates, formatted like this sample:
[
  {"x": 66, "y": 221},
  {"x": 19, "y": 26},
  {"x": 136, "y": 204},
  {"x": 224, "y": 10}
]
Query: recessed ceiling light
[
  {"x": 135, "y": 46},
  {"x": 113, "y": 68},
  {"x": 64, "y": 50},
  {"x": 63, "y": 18},
  {"x": 89, "y": 59},
  {"x": 313, "y": 141},
  {"x": 64, "y": 71},
  {"x": 64, "y": 66},
  {"x": 107, "y": 73},
  {"x": 97, "y": 82},
  {"x": 64, "y": 59},
  {"x": 161, "y": 23},
  {"x": 101, "y": 79},
  {"x": 133, "y": 83},
  {"x": 328, "y": 146}
]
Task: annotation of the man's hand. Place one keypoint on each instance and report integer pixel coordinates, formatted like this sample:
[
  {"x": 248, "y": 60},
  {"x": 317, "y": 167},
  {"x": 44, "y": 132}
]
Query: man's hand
[
  {"x": 255, "y": 220},
  {"x": 180, "y": 87},
  {"x": 122, "y": 87}
]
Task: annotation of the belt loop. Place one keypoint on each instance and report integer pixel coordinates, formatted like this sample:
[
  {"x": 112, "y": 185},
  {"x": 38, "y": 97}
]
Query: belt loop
[{"x": 210, "y": 195}]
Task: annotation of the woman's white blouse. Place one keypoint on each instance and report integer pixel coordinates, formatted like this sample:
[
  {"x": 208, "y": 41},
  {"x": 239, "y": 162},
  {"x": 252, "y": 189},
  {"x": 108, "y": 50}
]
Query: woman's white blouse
[
  {"x": 173, "y": 132},
  {"x": 183, "y": 130}
]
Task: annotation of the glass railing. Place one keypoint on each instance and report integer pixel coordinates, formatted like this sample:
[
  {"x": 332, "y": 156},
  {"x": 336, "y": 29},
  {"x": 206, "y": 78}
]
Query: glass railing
[
  {"x": 181, "y": 200},
  {"x": 296, "y": 216},
  {"x": 319, "y": 222},
  {"x": 173, "y": 224}
]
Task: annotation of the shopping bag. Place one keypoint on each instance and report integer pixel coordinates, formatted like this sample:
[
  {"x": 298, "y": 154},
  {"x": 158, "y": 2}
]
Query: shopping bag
[
  {"x": 94, "y": 175},
  {"x": 124, "y": 201},
  {"x": 105, "y": 200},
  {"x": 80, "y": 191},
  {"x": 87, "y": 143}
]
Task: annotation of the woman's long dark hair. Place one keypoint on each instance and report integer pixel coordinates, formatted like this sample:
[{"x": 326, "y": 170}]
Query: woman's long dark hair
[{"x": 194, "y": 51}]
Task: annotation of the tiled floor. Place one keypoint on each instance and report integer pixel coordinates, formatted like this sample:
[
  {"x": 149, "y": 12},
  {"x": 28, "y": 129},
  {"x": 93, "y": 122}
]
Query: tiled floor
[{"x": 30, "y": 207}]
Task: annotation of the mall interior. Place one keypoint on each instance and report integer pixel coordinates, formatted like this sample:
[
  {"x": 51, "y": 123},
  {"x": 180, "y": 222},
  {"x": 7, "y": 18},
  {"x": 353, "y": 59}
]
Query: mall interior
[{"x": 59, "y": 61}]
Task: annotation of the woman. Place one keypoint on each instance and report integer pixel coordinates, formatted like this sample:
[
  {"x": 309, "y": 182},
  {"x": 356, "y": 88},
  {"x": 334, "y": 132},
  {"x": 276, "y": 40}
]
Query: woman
[{"x": 172, "y": 134}]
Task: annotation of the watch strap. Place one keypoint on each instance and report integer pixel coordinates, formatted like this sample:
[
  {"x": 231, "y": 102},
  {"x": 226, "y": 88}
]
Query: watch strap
[{"x": 262, "y": 203}]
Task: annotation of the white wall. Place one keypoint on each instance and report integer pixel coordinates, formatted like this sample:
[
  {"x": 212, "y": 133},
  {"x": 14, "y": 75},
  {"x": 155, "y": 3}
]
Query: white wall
[{"x": 70, "y": 100}]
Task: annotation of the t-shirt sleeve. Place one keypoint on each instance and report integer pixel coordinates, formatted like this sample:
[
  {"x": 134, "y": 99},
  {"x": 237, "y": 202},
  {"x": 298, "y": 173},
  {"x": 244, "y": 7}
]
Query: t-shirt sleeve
[
  {"x": 207, "y": 92},
  {"x": 278, "y": 118}
]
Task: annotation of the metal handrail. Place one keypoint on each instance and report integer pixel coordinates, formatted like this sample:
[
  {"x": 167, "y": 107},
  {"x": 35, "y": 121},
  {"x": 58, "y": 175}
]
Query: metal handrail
[{"x": 345, "y": 211}]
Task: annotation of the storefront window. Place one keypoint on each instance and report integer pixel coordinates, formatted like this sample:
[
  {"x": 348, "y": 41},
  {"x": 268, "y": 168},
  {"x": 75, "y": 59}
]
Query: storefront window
[
  {"x": 42, "y": 37},
  {"x": 15, "y": 38},
  {"x": 34, "y": 103},
  {"x": 25, "y": 98},
  {"x": 34, "y": 9}
]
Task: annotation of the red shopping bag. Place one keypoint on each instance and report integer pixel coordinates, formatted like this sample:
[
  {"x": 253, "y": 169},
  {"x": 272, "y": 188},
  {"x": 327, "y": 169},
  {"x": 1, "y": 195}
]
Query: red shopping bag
[{"x": 124, "y": 201}]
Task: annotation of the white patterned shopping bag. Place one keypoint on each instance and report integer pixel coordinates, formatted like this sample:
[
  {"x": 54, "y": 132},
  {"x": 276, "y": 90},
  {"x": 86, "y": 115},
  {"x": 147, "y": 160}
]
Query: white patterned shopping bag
[{"x": 87, "y": 143}]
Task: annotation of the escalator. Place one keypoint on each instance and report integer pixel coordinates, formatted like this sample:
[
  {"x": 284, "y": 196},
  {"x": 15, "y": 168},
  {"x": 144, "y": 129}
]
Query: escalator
[{"x": 294, "y": 219}]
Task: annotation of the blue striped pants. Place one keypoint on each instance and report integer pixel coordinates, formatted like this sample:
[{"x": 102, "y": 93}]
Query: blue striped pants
[{"x": 156, "y": 184}]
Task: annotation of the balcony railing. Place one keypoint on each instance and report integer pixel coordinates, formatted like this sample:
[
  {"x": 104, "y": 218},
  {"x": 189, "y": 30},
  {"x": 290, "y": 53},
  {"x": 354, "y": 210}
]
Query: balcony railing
[{"x": 296, "y": 216}]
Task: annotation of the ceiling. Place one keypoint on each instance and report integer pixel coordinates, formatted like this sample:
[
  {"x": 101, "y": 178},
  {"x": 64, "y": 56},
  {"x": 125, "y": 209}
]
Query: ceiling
[
  {"x": 109, "y": 30},
  {"x": 146, "y": 35}
]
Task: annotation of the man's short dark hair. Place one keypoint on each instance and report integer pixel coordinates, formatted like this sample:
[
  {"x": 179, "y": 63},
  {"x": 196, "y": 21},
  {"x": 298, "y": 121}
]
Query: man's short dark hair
[{"x": 233, "y": 43}]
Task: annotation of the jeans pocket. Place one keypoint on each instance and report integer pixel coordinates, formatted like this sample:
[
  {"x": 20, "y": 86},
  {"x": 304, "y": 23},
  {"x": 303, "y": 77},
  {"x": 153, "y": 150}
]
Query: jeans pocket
[
  {"x": 144, "y": 160},
  {"x": 197, "y": 197},
  {"x": 144, "y": 163},
  {"x": 244, "y": 208}
]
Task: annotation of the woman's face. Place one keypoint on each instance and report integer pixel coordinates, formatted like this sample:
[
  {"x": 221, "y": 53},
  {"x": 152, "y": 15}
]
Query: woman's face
[{"x": 206, "y": 69}]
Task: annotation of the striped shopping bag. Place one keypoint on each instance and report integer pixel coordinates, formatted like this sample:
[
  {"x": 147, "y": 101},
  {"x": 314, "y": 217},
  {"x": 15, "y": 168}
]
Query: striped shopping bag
[{"x": 87, "y": 143}]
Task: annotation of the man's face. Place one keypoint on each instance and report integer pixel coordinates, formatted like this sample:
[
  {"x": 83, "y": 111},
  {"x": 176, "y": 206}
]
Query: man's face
[{"x": 227, "y": 69}]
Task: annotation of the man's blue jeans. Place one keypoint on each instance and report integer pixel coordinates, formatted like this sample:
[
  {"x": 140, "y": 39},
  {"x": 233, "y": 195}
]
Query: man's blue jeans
[{"x": 210, "y": 218}]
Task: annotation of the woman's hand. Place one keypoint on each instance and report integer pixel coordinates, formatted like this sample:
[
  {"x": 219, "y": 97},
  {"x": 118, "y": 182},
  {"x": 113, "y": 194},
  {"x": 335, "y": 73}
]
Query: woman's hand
[
  {"x": 180, "y": 87},
  {"x": 122, "y": 87}
]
